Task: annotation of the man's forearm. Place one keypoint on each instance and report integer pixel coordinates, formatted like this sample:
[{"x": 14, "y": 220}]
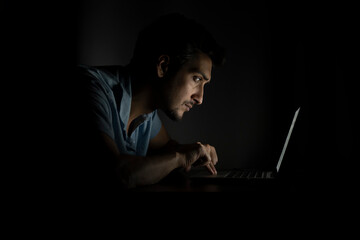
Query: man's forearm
[
  {"x": 131, "y": 170},
  {"x": 134, "y": 171}
]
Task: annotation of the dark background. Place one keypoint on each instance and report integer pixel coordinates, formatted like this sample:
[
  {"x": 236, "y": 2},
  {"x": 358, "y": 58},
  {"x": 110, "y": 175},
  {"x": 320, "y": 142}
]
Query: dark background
[{"x": 279, "y": 58}]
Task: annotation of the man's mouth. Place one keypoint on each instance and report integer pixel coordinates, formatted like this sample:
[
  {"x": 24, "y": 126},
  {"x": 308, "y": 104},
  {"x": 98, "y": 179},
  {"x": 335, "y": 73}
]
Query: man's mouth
[{"x": 189, "y": 106}]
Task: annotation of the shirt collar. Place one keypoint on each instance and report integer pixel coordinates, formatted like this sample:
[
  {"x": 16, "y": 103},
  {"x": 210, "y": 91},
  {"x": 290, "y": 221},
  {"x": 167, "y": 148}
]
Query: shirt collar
[{"x": 125, "y": 104}]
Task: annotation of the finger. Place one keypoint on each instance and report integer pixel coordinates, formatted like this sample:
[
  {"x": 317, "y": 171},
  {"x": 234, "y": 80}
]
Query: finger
[
  {"x": 213, "y": 155},
  {"x": 211, "y": 168},
  {"x": 204, "y": 156},
  {"x": 208, "y": 151},
  {"x": 205, "y": 153}
]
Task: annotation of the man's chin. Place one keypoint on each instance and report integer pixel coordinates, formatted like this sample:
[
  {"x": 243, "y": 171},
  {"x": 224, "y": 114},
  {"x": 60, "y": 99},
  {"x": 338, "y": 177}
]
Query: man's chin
[{"x": 174, "y": 115}]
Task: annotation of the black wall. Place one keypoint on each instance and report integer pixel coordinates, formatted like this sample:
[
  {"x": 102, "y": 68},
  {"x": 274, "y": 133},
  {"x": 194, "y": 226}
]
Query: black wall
[{"x": 280, "y": 57}]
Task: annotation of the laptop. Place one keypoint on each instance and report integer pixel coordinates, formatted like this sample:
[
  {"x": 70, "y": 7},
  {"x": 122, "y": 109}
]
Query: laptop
[{"x": 233, "y": 174}]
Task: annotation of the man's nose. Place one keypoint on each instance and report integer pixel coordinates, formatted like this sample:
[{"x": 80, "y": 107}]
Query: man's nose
[{"x": 199, "y": 95}]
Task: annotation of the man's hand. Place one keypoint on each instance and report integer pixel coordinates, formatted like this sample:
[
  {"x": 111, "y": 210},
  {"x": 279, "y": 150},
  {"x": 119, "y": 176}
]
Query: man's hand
[{"x": 198, "y": 154}]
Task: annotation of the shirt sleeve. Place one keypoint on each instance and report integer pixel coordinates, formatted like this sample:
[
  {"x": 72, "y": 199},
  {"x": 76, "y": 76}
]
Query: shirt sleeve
[
  {"x": 100, "y": 109},
  {"x": 156, "y": 125}
]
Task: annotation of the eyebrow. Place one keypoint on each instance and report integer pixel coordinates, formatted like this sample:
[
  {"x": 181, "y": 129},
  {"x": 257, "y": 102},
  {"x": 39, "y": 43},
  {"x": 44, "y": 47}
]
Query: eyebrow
[{"x": 202, "y": 74}]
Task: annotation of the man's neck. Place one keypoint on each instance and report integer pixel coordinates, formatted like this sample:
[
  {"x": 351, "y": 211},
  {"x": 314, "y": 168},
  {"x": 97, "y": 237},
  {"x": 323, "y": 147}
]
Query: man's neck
[{"x": 142, "y": 101}]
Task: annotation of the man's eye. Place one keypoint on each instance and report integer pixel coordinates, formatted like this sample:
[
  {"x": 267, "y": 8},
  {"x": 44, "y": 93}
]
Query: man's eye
[{"x": 197, "y": 79}]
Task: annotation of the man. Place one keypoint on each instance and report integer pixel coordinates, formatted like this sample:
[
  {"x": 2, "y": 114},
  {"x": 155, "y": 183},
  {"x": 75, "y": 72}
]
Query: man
[{"x": 126, "y": 141}]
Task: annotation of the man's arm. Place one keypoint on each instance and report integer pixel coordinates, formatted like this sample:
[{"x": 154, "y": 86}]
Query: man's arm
[
  {"x": 163, "y": 143},
  {"x": 133, "y": 171}
]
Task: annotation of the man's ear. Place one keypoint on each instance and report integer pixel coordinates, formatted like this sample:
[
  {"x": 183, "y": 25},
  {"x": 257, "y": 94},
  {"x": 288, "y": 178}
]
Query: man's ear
[{"x": 162, "y": 65}]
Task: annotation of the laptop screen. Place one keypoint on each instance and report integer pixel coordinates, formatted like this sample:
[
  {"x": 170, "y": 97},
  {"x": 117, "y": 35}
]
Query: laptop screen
[{"x": 287, "y": 140}]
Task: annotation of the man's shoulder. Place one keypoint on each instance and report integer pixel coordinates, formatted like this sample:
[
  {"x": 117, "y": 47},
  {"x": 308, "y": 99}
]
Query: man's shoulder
[
  {"x": 110, "y": 75},
  {"x": 112, "y": 70}
]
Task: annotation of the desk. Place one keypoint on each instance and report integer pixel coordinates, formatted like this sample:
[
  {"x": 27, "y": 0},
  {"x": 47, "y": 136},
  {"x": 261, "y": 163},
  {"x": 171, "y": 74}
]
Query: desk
[{"x": 177, "y": 182}]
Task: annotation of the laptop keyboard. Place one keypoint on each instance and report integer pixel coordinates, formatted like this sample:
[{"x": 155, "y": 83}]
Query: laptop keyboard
[{"x": 249, "y": 174}]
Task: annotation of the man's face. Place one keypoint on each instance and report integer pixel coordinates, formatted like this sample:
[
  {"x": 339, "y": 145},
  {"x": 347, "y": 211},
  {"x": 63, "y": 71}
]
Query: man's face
[{"x": 186, "y": 87}]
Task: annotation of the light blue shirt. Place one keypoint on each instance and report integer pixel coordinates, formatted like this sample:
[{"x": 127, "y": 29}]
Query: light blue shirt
[{"x": 110, "y": 99}]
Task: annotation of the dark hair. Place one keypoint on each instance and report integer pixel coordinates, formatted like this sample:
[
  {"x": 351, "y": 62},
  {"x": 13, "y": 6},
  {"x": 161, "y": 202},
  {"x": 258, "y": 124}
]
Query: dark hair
[{"x": 179, "y": 38}]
